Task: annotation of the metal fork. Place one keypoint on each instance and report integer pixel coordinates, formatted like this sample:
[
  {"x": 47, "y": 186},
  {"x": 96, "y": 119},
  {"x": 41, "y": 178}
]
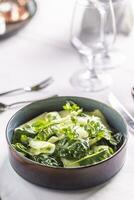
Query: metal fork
[
  {"x": 36, "y": 87},
  {"x": 4, "y": 107}
]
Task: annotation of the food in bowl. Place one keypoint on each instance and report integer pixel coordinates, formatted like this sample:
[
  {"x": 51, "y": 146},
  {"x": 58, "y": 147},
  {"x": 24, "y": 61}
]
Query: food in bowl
[
  {"x": 69, "y": 138},
  {"x": 66, "y": 178}
]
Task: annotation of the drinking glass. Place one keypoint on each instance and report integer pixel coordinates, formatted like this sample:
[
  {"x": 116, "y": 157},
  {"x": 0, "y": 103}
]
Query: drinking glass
[
  {"x": 112, "y": 56},
  {"x": 91, "y": 42}
]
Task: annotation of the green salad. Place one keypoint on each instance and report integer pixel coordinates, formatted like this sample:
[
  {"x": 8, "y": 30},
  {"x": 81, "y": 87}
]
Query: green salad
[{"x": 69, "y": 138}]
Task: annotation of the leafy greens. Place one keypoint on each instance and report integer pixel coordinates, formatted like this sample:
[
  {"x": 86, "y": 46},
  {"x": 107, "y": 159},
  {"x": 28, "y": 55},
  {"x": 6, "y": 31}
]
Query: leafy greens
[{"x": 69, "y": 138}]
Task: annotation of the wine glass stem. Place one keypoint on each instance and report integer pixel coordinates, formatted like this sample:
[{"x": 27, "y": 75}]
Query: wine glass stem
[{"x": 92, "y": 68}]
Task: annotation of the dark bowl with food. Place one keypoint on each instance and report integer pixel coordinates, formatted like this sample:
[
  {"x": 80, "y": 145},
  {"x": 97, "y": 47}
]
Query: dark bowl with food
[
  {"x": 24, "y": 15},
  {"x": 80, "y": 147}
]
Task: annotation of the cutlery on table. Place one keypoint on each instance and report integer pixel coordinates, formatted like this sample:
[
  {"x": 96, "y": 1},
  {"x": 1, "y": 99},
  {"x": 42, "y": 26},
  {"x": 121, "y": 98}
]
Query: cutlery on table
[
  {"x": 4, "y": 107},
  {"x": 41, "y": 85},
  {"x": 122, "y": 110},
  {"x": 132, "y": 92}
]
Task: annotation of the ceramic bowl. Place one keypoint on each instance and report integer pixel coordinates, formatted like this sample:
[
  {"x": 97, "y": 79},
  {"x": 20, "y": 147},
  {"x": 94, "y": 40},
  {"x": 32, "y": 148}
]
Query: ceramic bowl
[{"x": 66, "y": 178}]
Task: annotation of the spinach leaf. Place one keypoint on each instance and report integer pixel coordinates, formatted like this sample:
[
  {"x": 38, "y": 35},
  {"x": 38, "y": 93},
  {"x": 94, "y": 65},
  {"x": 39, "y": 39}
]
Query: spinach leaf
[
  {"x": 25, "y": 131},
  {"x": 76, "y": 150},
  {"x": 98, "y": 113},
  {"x": 22, "y": 149},
  {"x": 47, "y": 160},
  {"x": 96, "y": 155}
]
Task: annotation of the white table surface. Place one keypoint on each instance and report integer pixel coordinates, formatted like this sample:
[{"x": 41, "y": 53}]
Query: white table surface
[{"x": 43, "y": 49}]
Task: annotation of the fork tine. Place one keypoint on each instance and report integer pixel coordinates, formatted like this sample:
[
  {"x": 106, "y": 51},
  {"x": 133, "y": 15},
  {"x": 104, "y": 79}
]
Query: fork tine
[
  {"x": 44, "y": 81},
  {"x": 43, "y": 84}
]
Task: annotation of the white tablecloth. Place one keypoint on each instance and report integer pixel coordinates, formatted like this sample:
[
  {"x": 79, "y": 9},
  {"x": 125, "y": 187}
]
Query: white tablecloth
[{"x": 43, "y": 49}]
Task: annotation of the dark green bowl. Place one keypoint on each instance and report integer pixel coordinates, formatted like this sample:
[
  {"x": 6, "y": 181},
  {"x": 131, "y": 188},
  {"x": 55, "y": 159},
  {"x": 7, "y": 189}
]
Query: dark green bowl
[{"x": 66, "y": 178}]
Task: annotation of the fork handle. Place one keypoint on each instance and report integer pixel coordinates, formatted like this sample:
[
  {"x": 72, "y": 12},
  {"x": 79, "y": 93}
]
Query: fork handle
[
  {"x": 29, "y": 101},
  {"x": 11, "y": 91}
]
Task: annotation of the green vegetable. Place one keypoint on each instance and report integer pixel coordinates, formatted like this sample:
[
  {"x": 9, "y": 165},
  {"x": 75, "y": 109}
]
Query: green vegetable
[
  {"x": 47, "y": 160},
  {"x": 37, "y": 147},
  {"x": 71, "y": 106},
  {"x": 76, "y": 150},
  {"x": 21, "y": 149},
  {"x": 100, "y": 153},
  {"x": 25, "y": 131},
  {"x": 69, "y": 138}
]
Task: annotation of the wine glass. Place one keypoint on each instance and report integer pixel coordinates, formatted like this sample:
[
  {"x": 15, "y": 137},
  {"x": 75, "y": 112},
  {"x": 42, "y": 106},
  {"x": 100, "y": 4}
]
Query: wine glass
[
  {"x": 90, "y": 41},
  {"x": 111, "y": 57}
]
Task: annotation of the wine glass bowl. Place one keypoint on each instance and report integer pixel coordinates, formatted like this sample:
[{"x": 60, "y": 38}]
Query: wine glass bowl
[{"x": 90, "y": 40}]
